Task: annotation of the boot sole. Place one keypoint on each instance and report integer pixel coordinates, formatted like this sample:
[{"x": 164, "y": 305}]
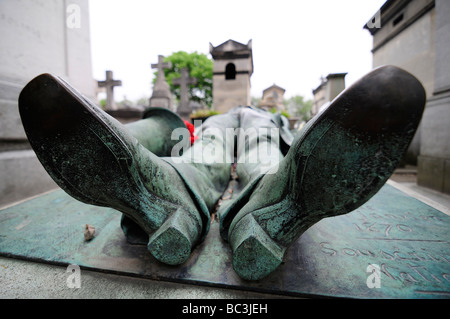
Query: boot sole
[
  {"x": 344, "y": 156},
  {"x": 73, "y": 139}
]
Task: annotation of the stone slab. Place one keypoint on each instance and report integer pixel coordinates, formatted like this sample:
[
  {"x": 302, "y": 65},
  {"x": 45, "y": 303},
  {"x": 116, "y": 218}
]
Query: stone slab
[{"x": 407, "y": 239}]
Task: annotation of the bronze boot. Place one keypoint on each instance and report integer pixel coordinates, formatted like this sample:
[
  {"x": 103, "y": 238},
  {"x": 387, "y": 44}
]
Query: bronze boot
[
  {"x": 96, "y": 160},
  {"x": 154, "y": 132},
  {"x": 338, "y": 162}
]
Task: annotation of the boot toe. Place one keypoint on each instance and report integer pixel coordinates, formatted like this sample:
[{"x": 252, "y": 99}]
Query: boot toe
[
  {"x": 170, "y": 246},
  {"x": 255, "y": 254},
  {"x": 173, "y": 241}
]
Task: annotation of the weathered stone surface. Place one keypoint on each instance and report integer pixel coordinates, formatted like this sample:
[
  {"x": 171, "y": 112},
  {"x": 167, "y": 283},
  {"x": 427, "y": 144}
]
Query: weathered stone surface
[
  {"x": 22, "y": 176},
  {"x": 37, "y": 38}
]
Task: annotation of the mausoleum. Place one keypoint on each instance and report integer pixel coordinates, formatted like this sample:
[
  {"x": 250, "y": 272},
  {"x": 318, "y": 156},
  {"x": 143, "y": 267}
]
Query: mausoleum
[{"x": 233, "y": 67}]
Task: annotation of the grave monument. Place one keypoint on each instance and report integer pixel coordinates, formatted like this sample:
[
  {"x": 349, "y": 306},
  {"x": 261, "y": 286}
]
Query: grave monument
[
  {"x": 323, "y": 227},
  {"x": 168, "y": 201},
  {"x": 109, "y": 85},
  {"x": 184, "y": 108},
  {"x": 233, "y": 67},
  {"x": 161, "y": 96}
]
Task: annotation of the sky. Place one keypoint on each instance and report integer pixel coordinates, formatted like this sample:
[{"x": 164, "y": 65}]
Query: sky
[{"x": 295, "y": 42}]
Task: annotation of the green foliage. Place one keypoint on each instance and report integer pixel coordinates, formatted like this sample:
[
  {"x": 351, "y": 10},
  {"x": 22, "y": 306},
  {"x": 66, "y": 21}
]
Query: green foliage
[
  {"x": 284, "y": 113},
  {"x": 297, "y": 106},
  {"x": 204, "y": 113},
  {"x": 200, "y": 67},
  {"x": 103, "y": 103}
]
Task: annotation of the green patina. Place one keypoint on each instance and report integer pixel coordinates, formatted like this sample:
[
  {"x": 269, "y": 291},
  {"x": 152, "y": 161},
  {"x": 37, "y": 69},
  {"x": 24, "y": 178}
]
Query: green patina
[{"x": 338, "y": 162}]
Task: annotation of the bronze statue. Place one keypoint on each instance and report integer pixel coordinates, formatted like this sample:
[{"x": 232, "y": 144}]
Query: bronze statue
[{"x": 167, "y": 188}]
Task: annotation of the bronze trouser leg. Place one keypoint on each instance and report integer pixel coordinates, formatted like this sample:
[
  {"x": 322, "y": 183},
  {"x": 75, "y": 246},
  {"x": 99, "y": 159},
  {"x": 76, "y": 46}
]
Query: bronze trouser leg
[
  {"x": 250, "y": 134},
  {"x": 258, "y": 147}
]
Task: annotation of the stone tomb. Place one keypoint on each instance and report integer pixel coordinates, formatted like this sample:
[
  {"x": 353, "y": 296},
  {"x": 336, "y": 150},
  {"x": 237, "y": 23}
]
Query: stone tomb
[{"x": 394, "y": 246}]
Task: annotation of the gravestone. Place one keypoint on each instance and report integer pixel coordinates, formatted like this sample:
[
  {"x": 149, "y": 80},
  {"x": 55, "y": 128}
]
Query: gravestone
[
  {"x": 109, "y": 84},
  {"x": 161, "y": 96},
  {"x": 184, "y": 109}
]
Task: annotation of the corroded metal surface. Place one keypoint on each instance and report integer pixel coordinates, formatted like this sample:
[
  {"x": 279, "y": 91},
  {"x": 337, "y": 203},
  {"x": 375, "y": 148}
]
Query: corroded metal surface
[
  {"x": 340, "y": 159},
  {"x": 96, "y": 160},
  {"x": 334, "y": 165},
  {"x": 406, "y": 239}
]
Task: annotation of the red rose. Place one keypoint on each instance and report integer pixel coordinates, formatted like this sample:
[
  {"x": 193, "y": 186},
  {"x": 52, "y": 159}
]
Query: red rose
[{"x": 191, "y": 130}]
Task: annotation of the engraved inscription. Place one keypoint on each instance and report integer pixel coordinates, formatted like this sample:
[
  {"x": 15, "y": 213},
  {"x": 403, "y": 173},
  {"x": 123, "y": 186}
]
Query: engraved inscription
[
  {"x": 417, "y": 271},
  {"x": 401, "y": 243},
  {"x": 382, "y": 228}
]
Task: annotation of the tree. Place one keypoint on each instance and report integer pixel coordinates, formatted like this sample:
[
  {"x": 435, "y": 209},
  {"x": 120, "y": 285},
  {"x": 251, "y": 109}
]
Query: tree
[
  {"x": 200, "y": 67},
  {"x": 297, "y": 105}
]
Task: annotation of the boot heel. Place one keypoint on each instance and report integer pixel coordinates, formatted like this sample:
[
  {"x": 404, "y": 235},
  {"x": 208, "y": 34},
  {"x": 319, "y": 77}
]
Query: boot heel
[
  {"x": 173, "y": 241},
  {"x": 255, "y": 254}
]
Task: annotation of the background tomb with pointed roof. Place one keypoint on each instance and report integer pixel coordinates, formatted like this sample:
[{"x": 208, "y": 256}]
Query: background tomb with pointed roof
[{"x": 233, "y": 67}]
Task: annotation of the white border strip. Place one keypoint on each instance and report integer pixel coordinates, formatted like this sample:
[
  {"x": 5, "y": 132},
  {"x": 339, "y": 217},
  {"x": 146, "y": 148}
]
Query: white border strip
[
  {"x": 28, "y": 198},
  {"x": 420, "y": 197}
]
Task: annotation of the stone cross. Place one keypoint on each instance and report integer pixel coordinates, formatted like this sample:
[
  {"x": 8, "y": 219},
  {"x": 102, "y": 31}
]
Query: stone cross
[
  {"x": 161, "y": 65},
  {"x": 109, "y": 84},
  {"x": 161, "y": 96},
  {"x": 184, "y": 81}
]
